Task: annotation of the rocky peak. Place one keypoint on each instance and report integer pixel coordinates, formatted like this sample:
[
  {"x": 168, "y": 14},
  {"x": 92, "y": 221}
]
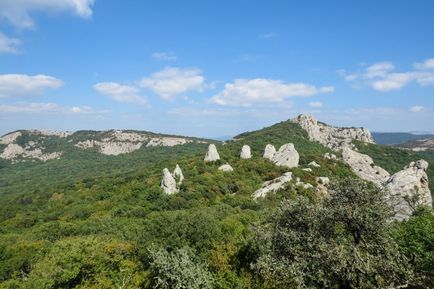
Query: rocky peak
[{"x": 332, "y": 137}]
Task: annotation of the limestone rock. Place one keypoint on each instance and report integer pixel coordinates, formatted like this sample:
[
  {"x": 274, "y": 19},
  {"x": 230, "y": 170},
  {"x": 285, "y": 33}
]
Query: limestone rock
[
  {"x": 409, "y": 188},
  {"x": 330, "y": 156},
  {"x": 10, "y": 138},
  {"x": 323, "y": 180},
  {"x": 245, "y": 152},
  {"x": 269, "y": 152},
  {"x": 363, "y": 166},
  {"x": 178, "y": 175},
  {"x": 332, "y": 137},
  {"x": 307, "y": 169},
  {"x": 167, "y": 141},
  {"x": 286, "y": 156},
  {"x": 168, "y": 183},
  {"x": 212, "y": 154},
  {"x": 307, "y": 186},
  {"x": 314, "y": 164},
  {"x": 226, "y": 168},
  {"x": 13, "y": 151},
  {"x": 273, "y": 185}
]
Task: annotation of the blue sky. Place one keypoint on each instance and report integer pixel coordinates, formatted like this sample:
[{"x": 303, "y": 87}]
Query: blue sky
[{"x": 215, "y": 68}]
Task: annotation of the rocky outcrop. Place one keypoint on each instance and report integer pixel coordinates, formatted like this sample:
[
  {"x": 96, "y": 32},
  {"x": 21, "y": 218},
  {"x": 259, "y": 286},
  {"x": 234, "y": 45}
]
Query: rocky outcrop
[
  {"x": 330, "y": 156},
  {"x": 323, "y": 180},
  {"x": 286, "y": 156},
  {"x": 363, "y": 166},
  {"x": 10, "y": 138},
  {"x": 409, "y": 188},
  {"x": 14, "y": 151},
  {"x": 307, "y": 170},
  {"x": 269, "y": 152},
  {"x": 332, "y": 137},
  {"x": 212, "y": 154},
  {"x": 178, "y": 175},
  {"x": 226, "y": 168},
  {"x": 168, "y": 183},
  {"x": 273, "y": 185},
  {"x": 113, "y": 148},
  {"x": 167, "y": 141},
  {"x": 245, "y": 152},
  {"x": 314, "y": 164}
]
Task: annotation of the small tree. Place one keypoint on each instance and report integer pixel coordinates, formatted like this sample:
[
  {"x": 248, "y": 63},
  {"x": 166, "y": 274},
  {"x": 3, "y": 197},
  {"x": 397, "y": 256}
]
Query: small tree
[
  {"x": 341, "y": 241},
  {"x": 179, "y": 270}
]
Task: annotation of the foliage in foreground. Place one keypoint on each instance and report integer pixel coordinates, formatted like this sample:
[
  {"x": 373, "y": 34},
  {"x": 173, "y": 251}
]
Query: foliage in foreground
[{"x": 342, "y": 241}]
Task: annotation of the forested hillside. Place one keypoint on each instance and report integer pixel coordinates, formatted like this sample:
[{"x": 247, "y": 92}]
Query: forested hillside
[{"x": 100, "y": 221}]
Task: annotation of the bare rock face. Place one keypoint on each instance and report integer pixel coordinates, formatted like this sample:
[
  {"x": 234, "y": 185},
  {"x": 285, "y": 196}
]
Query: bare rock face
[
  {"x": 273, "y": 185},
  {"x": 10, "y": 138},
  {"x": 167, "y": 141},
  {"x": 409, "y": 188},
  {"x": 168, "y": 183},
  {"x": 14, "y": 151},
  {"x": 178, "y": 175},
  {"x": 363, "y": 166},
  {"x": 212, "y": 154},
  {"x": 286, "y": 156},
  {"x": 226, "y": 168},
  {"x": 269, "y": 152},
  {"x": 332, "y": 137},
  {"x": 245, "y": 152},
  {"x": 307, "y": 169}
]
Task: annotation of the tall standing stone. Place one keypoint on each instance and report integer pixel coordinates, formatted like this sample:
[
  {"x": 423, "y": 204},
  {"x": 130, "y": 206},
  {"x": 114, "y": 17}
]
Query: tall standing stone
[
  {"x": 269, "y": 152},
  {"x": 168, "y": 183},
  {"x": 212, "y": 154},
  {"x": 245, "y": 152},
  {"x": 178, "y": 175}
]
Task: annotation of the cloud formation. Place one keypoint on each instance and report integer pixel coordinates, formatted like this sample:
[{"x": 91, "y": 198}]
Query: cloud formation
[
  {"x": 9, "y": 45},
  {"x": 245, "y": 92},
  {"x": 18, "y": 85},
  {"x": 416, "y": 108},
  {"x": 382, "y": 77},
  {"x": 47, "y": 107},
  {"x": 164, "y": 56},
  {"x": 172, "y": 81},
  {"x": 315, "y": 104},
  {"x": 120, "y": 93},
  {"x": 18, "y": 12}
]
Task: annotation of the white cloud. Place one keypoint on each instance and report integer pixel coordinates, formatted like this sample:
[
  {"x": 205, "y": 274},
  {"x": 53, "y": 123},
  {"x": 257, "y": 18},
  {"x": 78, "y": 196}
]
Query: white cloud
[
  {"x": 9, "y": 45},
  {"x": 18, "y": 12},
  {"x": 172, "y": 81},
  {"x": 381, "y": 76},
  {"x": 47, "y": 107},
  {"x": 29, "y": 108},
  {"x": 315, "y": 104},
  {"x": 15, "y": 85},
  {"x": 245, "y": 92},
  {"x": 164, "y": 56},
  {"x": 120, "y": 93},
  {"x": 427, "y": 64},
  {"x": 416, "y": 108}
]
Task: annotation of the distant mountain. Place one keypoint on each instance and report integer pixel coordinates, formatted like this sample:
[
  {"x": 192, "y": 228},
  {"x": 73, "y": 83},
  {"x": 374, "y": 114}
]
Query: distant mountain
[{"x": 395, "y": 138}]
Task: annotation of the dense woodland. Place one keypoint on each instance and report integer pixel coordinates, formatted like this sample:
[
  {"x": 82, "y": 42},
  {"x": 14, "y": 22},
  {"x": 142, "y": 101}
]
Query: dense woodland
[{"x": 94, "y": 221}]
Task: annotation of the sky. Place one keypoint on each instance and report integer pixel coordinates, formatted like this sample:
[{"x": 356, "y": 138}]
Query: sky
[{"x": 215, "y": 68}]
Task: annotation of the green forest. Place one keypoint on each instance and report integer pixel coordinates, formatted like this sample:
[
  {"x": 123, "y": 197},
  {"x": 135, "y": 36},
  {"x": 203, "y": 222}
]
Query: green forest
[{"x": 94, "y": 221}]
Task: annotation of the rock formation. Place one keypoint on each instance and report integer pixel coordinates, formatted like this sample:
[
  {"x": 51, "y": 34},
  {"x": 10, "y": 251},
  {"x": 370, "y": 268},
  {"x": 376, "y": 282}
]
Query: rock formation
[
  {"x": 269, "y": 152},
  {"x": 286, "y": 156},
  {"x": 323, "y": 180},
  {"x": 314, "y": 164},
  {"x": 330, "y": 156},
  {"x": 332, "y": 137},
  {"x": 307, "y": 169},
  {"x": 14, "y": 151},
  {"x": 245, "y": 152},
  {"x": 273, "y": 185},
  {"x": 212, "y": 154},
  {"x": 225, "y": 168},
  {"x": 363, "y": 166},
  {"x": 409, "y": 188},
  {"x": 178, "y": 175},
  {"x": 168, "y": 183}
]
